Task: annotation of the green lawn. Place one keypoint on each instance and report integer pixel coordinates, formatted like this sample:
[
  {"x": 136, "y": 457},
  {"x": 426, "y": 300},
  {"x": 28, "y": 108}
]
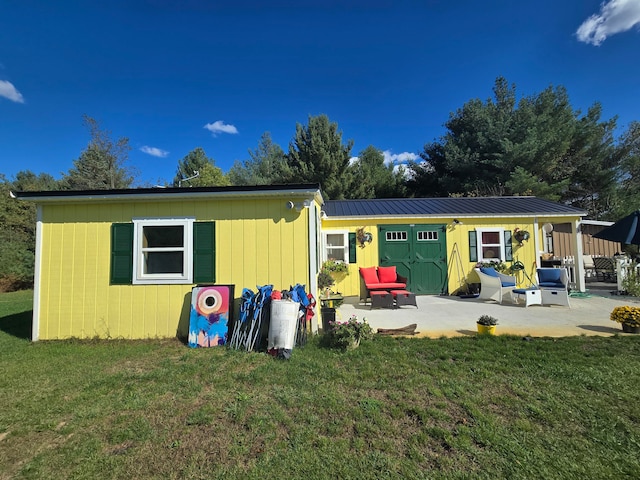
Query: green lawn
[{"x": 394, "y": 408}]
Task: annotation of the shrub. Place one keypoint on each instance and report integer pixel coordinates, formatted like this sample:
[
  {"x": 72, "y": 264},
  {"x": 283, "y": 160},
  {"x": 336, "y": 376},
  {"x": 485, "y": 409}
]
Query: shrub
[
  {"x": 626, "y": 315},
  {"x": 349, "y": 334},
  {"x": 631, "y": 283}
]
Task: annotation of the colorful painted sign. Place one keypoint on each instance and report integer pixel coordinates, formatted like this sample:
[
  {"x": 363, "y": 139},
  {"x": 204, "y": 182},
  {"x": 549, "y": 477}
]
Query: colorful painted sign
[{"x": 209, "y": 316}]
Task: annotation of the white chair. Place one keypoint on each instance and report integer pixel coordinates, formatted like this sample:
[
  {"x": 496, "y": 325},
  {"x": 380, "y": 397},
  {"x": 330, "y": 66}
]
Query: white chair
[
  {"x": 589, "y": 266},
  {"x": 554, "y": 286},
  {"x": 494, "y": 285}
]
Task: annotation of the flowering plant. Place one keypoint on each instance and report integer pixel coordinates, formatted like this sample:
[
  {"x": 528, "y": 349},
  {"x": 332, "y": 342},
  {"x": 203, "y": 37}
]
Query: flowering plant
[
  {"x": 348, "y": 334},
  {"x": 487, "y": 321},
  {"x": 626, "y": 315}
]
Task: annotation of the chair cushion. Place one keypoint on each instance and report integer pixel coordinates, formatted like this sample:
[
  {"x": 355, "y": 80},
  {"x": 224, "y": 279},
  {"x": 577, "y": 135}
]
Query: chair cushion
[
  {"x": 489, "y": 271},
  {"x": 369, "y": 275},
  {"x": 386, "y": 286},
  {"x": 387, "y": 274},
  {"x": 550, "y": 277},
  {"x": 508, "y": 284}
]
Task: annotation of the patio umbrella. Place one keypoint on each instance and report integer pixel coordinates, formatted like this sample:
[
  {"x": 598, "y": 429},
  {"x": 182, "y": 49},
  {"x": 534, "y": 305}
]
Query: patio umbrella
[{"x": 625, "y": 230}]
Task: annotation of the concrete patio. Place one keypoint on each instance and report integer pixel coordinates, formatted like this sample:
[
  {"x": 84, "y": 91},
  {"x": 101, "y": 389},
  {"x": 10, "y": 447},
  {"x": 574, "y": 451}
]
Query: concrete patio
[{"x": 438, "y": 316}]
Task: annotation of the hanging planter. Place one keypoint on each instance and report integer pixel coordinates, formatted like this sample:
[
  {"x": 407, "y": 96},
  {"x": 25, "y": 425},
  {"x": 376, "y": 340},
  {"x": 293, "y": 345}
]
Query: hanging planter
[{"x": 521, "y": 235}]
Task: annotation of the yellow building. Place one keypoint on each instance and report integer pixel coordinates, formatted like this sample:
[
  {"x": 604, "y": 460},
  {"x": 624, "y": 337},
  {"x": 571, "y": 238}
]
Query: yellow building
[
  {"x": 436, "y": 242},
  {"x": 122, "y": 263}
]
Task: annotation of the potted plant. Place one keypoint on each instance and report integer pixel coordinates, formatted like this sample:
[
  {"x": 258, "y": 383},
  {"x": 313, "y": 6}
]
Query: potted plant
[
  {"x": 328, "y": 273},
  {"x": 348, "y": 335},
  {"x": 628, "y": 316},
  {"x": 487, "y": 325},
  {"x": 325, "y": 281}
]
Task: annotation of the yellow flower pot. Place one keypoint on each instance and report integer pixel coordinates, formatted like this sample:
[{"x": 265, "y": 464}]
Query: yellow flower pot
[{"x": 486, "y": 329}]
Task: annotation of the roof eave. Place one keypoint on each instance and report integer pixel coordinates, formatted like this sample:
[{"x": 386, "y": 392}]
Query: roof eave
[
  {"x": 460, "y": 216},
  {"x": 160, "y": 195}
]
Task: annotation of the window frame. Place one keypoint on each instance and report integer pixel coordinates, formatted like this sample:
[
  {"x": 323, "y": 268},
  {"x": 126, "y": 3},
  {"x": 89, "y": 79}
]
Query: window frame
[
  {"x": 140, "y": 278},
  {"x": 479, "y": 244},
  {"x": 345, "y": 246}
]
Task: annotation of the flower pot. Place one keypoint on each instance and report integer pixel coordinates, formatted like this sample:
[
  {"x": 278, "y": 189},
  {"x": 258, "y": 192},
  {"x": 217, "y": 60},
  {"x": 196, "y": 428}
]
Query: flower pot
[
  {"x": 630, "y": 329},
  {"x": 486, "y": 329},
  {"x": 328, "y": 316},
  {"x": 355, "y": 343}
]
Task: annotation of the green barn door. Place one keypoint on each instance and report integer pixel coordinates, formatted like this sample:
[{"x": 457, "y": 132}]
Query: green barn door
[{"x": 418, "y": 252}]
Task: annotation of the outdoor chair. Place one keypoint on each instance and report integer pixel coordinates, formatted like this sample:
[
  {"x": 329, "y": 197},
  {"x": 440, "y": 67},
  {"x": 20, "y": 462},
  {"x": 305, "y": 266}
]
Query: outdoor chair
[
  {"x": 554, "y": 286},
  {"x": 494, "y": 285},
  {"x": 605, "y": 269},
  {"x": 589, "y": 267}
]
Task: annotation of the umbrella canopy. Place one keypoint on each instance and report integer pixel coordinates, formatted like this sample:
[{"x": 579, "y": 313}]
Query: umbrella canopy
[{"x": 625, "y": 230}]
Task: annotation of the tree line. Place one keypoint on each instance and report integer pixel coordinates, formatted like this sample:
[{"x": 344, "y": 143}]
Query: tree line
[{"x": 537, "y": 145}]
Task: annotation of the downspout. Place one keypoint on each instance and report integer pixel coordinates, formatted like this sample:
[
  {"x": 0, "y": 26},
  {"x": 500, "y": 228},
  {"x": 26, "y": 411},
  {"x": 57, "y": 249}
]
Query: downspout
[{"x": 37, "y": 274}]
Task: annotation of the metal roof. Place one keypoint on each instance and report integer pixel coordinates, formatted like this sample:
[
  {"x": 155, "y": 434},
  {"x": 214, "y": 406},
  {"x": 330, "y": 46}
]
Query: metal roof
[{"x": 448, "y": 207}]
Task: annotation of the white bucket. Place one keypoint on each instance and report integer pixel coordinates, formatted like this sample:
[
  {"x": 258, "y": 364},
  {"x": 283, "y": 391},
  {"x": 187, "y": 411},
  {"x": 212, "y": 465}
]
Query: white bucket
[{"x": 282, "y": 328}]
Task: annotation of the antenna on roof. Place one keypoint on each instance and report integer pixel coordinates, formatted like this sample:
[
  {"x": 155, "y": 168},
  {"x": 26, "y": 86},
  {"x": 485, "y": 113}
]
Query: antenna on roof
[{"x": 196, "y": 174}]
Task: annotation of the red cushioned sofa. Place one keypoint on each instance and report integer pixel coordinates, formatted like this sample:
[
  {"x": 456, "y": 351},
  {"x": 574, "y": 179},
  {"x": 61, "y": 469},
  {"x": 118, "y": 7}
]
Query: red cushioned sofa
[{"x": 379, "y": 278}]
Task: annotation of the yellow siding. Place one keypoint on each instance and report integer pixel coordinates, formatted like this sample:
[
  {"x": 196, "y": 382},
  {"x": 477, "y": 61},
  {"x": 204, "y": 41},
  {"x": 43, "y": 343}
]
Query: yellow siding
[
  {"x": 258, "y": 242},
  {"x": 459, "y": 274}
]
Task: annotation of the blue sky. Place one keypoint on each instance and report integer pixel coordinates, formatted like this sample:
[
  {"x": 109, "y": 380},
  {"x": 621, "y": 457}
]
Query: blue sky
[{"x": 175, "y": 75}]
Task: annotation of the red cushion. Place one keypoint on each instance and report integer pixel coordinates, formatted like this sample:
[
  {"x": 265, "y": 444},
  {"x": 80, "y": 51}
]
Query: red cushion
[
  {"x": 387, "y": 274},
  {"x": 386, "y": 286},
  {"x": 369, "y": 275},
  {"x": 379, "y": 292}
]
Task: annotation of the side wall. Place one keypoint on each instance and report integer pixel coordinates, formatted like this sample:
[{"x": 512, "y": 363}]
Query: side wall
[
  {"x": 258, "y": 242},
  {"x": 459, "y": 266}
]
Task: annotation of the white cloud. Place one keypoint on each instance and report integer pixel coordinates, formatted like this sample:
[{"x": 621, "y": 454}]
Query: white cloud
[
  {"x": 220, "y": 127},
  {"x": 614, "y": 17},
  {"x": 398, "y": 158},
  {"x": 7, "y": 90},
  {"x": 154, "y": 152}
]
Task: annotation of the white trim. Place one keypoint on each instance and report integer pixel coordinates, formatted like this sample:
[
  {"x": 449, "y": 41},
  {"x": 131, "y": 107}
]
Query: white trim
[
  {"x": 139, "y": 278},
  {"x": 314, "y": 221},
  {"x": 536, "y": 241},
  {"x": 601, "y": 223},
  {"x": 161, "y": 195},
  {"x": 479, "y": 232},
  {"x": 579, "y": 272},
  {"x": 446, "y": 218},
  {"x": 37, "y": 275}
]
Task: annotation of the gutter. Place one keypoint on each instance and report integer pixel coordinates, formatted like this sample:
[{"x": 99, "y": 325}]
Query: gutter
[{"x": 161, "y": 195}]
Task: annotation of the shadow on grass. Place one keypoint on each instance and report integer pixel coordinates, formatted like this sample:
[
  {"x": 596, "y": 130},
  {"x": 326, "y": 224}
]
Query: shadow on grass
[{"x": 18, "y": 324}]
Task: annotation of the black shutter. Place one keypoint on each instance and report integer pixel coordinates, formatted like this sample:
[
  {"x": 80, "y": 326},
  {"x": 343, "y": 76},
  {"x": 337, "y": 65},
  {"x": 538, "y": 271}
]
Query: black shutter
[
  {"x": 121, "y": 253},
  {"x": 508, "y": 247},
  {"x": 473, "y": 246},
  {"x": 204, "y": 252},
  {"x": 352, "y": 247}
]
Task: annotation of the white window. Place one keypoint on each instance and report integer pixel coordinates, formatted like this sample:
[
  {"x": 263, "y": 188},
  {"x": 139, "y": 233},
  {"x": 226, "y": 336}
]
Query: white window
[
  {"x": 428, "y": 236},
  {"x": 490, "y": 244},
  {"x": 162, "y": 251},
  {"x": 336, "y": 246},
  {"x": 400, "y": 236}
]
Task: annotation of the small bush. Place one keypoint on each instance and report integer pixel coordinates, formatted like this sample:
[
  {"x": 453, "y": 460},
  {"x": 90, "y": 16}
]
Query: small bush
[{"x": 487, "y": 320}]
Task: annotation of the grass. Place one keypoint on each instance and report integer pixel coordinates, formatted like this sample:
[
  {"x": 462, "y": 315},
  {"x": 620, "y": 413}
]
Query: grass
[{"x": 394, "y": 408}]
